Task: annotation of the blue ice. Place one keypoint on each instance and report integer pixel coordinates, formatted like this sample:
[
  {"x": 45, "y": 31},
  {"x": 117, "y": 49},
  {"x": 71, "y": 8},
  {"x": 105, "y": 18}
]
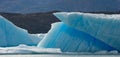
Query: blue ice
[
  {"x": 11, "y": 35},
  {"x": 101, "y": 26},
  {"x": 71, "y": 40}
]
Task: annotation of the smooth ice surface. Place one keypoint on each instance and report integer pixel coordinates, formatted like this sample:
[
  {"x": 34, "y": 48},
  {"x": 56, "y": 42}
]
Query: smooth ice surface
[
  {"x": 71, "y": 40},
  {"x": 27, "y": 49},
  {"x": 11, "y": 35},
  {"x": 101, "y": 26}
]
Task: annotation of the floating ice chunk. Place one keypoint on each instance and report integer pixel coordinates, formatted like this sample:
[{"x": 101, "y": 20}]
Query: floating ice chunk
[
  {"x": 71, "y": 40},
  {"x": 11, "y": 35},
  {"x": 101, "y": 26},
  {"x": 27, "y": 49}
]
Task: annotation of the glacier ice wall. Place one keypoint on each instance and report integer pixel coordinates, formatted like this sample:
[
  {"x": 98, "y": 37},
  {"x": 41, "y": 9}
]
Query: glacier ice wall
[
  {"x": 71, "y": 40},
  {"x": 11, "y": 35},
  {"x": 101, "y": 26}
]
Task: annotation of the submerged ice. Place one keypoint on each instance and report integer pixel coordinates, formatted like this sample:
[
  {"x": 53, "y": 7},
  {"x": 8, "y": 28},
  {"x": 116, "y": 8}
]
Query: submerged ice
[{"x": 11, "y": 35}]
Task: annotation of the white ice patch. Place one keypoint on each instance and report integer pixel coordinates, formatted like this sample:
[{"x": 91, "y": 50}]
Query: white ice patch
[{"x": 28, "y": 49}]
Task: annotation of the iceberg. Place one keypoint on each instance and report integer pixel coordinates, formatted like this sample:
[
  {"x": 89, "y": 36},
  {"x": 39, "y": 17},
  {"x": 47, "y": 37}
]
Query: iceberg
[
  {"x": 11, "y": 35},
  {"x": 101, "y": 26},
  {"x": 69, "y": 39}
]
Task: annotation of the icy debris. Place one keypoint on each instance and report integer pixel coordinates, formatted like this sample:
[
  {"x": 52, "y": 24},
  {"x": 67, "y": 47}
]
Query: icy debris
[{"x": 28, "y": 49}]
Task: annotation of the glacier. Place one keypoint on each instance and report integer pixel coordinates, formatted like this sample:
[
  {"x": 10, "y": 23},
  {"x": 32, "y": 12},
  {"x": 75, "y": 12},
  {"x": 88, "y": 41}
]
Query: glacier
[
  {"x": 104, "y": 27},
  {"x": 69, "y": 39},
  {"x": 11, "y": 35}
]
